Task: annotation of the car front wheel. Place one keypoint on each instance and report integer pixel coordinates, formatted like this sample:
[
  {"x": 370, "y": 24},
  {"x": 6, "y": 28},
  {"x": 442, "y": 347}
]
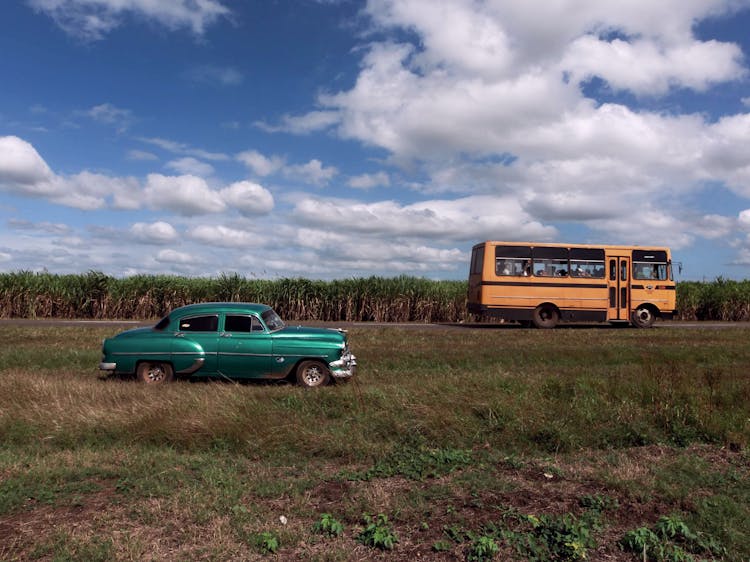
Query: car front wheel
[
  {"x": 312, "y": 373},
  {"x": 155, "y": 372}
]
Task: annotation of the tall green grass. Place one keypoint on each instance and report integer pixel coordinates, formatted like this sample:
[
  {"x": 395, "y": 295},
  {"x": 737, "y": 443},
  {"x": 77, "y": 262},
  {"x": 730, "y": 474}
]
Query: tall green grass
[
  {"x": 94, "y": 295},
  {"x": 97, "y": 296}
]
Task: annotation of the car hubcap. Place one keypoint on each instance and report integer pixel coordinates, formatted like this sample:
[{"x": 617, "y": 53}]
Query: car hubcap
[
  {"x": 312, "y": 376},
  {"x": 155, "y": 374}
]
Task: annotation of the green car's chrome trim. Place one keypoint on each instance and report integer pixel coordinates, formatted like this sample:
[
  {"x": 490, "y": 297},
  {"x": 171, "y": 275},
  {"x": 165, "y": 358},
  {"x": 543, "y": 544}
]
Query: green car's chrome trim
[{"x": 197, "y": 364}]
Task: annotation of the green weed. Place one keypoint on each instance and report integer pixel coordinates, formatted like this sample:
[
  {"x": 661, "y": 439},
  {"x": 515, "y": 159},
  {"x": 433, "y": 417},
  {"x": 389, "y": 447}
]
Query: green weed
[
  {"x": 328, "y": 525},
  {"x": 377, "y": 533}
]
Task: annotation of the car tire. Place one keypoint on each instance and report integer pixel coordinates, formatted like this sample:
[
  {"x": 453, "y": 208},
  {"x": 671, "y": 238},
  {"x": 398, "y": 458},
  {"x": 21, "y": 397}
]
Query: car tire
[
  {"x": 643, "y": 317},
  {"x": 545, "y": 316},
  {"x": 311, "y": 374},
  {"x": 155, "y": 372}
]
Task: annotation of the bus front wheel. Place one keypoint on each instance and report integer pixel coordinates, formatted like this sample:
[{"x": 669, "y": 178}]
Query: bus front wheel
[
  {"x": 545, "y": 316},
  {"x": 643, "y": 317}
]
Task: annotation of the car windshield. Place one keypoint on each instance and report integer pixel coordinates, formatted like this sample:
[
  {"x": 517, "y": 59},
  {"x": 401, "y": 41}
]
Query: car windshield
[
  {"x": 163, "y": 323},
  {"x": 272, "y": 320}
]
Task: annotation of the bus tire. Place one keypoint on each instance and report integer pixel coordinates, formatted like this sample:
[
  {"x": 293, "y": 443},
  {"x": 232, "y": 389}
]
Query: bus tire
[
  {"x": 643, "y": 317},
  {"x": 545, "y": 316}
]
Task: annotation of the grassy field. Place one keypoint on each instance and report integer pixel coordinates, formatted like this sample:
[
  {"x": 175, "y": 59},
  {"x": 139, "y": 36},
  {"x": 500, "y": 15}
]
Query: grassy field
[{"x": 451, "y": 444}]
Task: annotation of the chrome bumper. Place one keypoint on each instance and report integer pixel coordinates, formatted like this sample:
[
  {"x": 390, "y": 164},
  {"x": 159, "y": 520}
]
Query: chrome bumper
[
  {"x": 107, "y": 366},
  {"x": 345, "y": 367}
]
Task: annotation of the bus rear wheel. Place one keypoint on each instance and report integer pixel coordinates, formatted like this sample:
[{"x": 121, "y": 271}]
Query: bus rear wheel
[
  {"x": 643, "y": 317},
  {"x": 545, "y": 316}
]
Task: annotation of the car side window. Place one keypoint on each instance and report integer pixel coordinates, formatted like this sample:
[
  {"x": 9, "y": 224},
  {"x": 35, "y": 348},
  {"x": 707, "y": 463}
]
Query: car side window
[
  {"x": 244, "y": 324},
  {"x": 200, "y": 324}
]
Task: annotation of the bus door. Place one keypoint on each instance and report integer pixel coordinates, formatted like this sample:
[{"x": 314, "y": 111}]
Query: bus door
[{"x": 618, "y": 281}]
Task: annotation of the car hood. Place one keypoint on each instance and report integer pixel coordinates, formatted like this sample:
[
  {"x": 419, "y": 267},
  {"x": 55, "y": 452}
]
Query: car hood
[
  {"x": 132, "y": 333},
  {"x": 312, "y": 334}
]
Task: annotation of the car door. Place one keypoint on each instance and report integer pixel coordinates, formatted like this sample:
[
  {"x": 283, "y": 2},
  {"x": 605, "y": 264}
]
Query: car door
[
  {"x": 202, "y": 330},
  {"x": 244, "y": 347}
]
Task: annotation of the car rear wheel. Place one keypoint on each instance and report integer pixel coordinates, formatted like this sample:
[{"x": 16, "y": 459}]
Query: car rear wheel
[
  {"x": 155, "y": 372},
  {"x": 312, "y": 373}
]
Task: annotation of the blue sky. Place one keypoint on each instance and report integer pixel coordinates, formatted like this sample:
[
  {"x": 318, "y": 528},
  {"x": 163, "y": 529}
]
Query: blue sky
[{"x": 332, "y": 139}]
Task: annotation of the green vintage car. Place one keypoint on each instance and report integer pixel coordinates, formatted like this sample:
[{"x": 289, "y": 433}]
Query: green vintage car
[{"x": 229, "y": 340}]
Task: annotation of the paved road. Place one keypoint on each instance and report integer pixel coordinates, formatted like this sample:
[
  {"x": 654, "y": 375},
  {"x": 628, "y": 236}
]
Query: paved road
[{"x": 125, "y": 324}]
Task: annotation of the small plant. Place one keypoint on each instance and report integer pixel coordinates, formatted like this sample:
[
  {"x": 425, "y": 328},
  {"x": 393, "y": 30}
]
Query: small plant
[
  {"x": 553, "y": 538},
  {"x": 328, "y": 525},
  {"x": 378, "y": 533},
  {"x": 483, "y": 548},
  {"x": 670, "y": 540},
  {"x": 442, "y": 546},
  {"x": 268, "y": 543}
]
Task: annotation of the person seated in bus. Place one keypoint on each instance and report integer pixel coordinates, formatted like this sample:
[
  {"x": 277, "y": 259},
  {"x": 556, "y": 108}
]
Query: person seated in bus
[
  {"x": 527, "y": 268},
  {"x": 561, "y": 273}
]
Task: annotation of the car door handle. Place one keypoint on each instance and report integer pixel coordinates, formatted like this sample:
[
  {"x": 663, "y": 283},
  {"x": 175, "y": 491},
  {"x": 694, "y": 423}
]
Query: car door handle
[{"x": 226, "y": 335}]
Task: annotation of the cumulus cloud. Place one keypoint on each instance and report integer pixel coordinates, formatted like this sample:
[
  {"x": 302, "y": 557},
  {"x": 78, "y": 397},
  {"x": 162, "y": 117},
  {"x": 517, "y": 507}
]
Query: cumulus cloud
[
  {"x": 174, "y": 257},
  {"x": 220, "y": 235},
  {"x": 368, "y": 181},
  {"x": 248, "y": 198},
  {"x": 21, "y": 167},
  {"x": 92, "y": 20},
  {"x": 259, "y": 164},
  {"x": 159, "y": 232},
  {"x": 186, "y": 195},
  {"x": 469, "y": 218},
  {"x": 314, "y": 172}
]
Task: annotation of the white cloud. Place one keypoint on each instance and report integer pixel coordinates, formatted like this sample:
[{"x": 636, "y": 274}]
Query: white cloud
[
  {"x": 469, "y": 218},
  {"x": 213, "y": 75},
  {"x": 744, "y": 219},
  {"x": 186, "y": 195},
  {"x": 182, "y": 148},
  {"x": 21, "y": 167},
  {"x": 302, "y": 124},
  {"x": 91, "y": 20},
  {"x": 174, "y": 257},
  {"x": 248, "y": 198},
  {"x": 646, "y": 67},
  {"x": 109, "y": 114},
  {"x": 141, "y": 155},
  {"x": 154, "y": 233},
  {"x": 228, "y": 237},
  {"x": 190, "y": 166},
  {"x": 314, "y": 172},
  {"x": 259, "y": 164},
  {"x": 368, "y": 181},
  {"x": 43, "y": 227}
]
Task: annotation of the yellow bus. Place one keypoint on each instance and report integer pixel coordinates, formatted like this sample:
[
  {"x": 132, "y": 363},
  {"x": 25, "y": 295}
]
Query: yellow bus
[{"x": 543, "y": 284}]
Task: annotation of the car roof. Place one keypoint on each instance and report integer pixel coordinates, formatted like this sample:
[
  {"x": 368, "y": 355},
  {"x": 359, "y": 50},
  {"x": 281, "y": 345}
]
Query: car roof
[{"x": 204, "y": 307}]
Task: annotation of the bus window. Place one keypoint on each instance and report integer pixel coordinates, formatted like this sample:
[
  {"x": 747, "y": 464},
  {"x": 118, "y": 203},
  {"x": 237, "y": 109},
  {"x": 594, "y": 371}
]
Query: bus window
[
  {"x": 512, "y": 260},
  {"x": 650, "y": 264},
  {"x": 477, "y": 260},
  {"x": 550, "y": 262},
  {"x": 587, "y": 262}
]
